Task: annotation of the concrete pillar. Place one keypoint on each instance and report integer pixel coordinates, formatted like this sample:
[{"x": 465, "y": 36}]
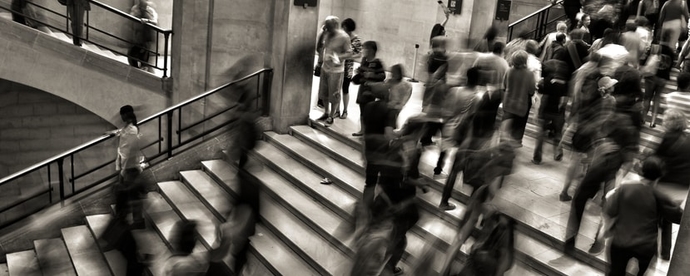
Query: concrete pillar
[
  {"x": 680, "y": 264},
  {"x": 190, "y": 46},
  {"x": 483, "y": 15},
  {"x": 292, "y": 58}
]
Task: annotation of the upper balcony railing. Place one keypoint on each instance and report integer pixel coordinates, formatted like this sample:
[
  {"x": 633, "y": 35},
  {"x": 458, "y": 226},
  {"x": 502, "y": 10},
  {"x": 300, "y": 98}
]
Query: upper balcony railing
[
  {"x": 108, "y": 36},
  {"x": 164, "y": 135},
  {"x": 538, "y": 23}
]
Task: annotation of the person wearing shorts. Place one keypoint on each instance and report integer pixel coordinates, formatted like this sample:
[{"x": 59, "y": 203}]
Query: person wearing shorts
[{"x": 337, "y": 48}]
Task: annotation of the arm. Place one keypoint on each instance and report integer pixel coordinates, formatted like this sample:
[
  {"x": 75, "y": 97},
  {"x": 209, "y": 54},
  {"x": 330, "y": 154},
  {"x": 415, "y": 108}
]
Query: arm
[
  {"x": 639, "y": 9},
  {"x": 662, "y": 15},
  {"x": 446, "y": 11},
  {"x": 611, "y": 205},
  {"x": 669, "y": 210}
]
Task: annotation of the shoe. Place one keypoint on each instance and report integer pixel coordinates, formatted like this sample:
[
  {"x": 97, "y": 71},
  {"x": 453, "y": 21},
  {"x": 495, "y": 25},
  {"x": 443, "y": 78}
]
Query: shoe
[
  {"x": 329, "y": 120},
  {"x": 337, "y": 114},
  {"x": 665, "y": 257},
  {"x": 652, "y": 125},
  {"x": 597, "y": 247},
  {"x": 319, "y": 104},
  {"x": 535, "y": 162},
  {"x": 398, "y": 271},
  {"x": 357, "y": 134},
  {"x": 323, "y": 117},
  {"x": 437, "y": 171},
  {"x": 564, "y": 197},
  {"x": 344, "y": 115},
  {"x": 558, "y": 156},
  {"x": 326, "y": 181},
  {"x": 446, "y": 206}
]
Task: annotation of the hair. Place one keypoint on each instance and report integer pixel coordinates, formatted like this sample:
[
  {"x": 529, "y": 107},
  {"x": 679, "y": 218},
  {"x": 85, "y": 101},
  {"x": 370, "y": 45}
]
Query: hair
[
  {"x": 491, "y": 33},
  {"x": 498, "y": 48},
  {"x": 332, "y": 21},
  {"x": 561, "y": 27},
  {"x": 642, "y": 21},
  {"x": 183, "y": 237},
  {"x": 520, "y": 59},
  {"x": 675, "y": 120},
  {"x": 577, "y": 34},
  {"x": 683, "y": 80},
  {"x": 438, "y": 41},
  {"x": 582, "y": 19},
  {"x": 524, "y": 34},
  {"x": 371, "y": 45},
  {"x": 630, "y": 26},
  {"x": 473, "y": 76},
  {"x": 349, "y": 24},
  {"x": 652, "y": 168},
  {"x": 398, "y": 68},
  {"x": 128, "y": 116},
  {"x": 610, "y": 37},
  {"x": 560, "y": 38},
  {"x": 437, "y": 30},
  {"x": 532, "y": 47}
]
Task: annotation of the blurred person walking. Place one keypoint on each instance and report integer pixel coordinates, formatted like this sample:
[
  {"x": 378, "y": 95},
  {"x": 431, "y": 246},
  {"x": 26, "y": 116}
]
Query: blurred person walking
[
  {"x": 184, "y": 261},
  {"x": 673, "y": 19},
  {"x": 76, "y": 9},
  {"x": 370, "y": 71},
  {"x": 144, "y": 36},
  {"x": 636, "y": 209},
  {"x": 517, "y": 100},
  {"x": 661, "y": 63}
]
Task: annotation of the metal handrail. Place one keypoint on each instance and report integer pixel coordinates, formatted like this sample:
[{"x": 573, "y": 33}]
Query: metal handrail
[
  {"x": 534, "y": 13},
  {"x": 128, "y": 16},
  {"x": 67, "y": 176},
  {"x": 541, "y": 16}
]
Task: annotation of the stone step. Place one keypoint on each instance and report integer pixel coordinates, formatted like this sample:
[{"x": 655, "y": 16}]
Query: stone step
[
  {"x": 163, "y": 218},
  {"x": 189, "y": 207},
  {"x": 536, "y": 217},
  {"x": 23, "y": 263},
  {"x": 216, "y": 199},
  {"x": 429, "y": 201},
  {"x": 4, "y": 271},
  {"x": 84, "y": 251},
  {"x": 116, "y": 261},
  {"x": 53, "y": 257}
]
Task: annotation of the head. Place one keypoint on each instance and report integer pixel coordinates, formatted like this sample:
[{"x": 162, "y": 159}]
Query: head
[
  {"x": 183, "y": 237},
  {"x": 438, "y": 44},
  {"x": 606, "y": 85},
  {"x": 331, "y": 24},
  {"x": 397, "y": 72},
  {"x": 577, "y": 34},
  {"x": 585, "y": 21},
  {"x": 348, "y": 25},
  {"x": 491, "y": 33},
  {"x": 473, "y": 76},
  {"x": 532, "y": 47},
  {"x": 369, "y": 49},
  {"x": 127, "y": 115},
  {"x": 520, "y": 59},
  {"x": 675, "y": 120},
  {"x": 561, "y": 27},
  {"x": 652, "y": 168},
  {"x": 610, "y": 37},
  {"x": 524, "y": 34},
  {"x": 684, "y": 81},
  {"x": 560, "y": 38},
  {"x": 498, "y": 48},
  {"x": 630, "y": 26},
  {"x": 642, "y": 21}
]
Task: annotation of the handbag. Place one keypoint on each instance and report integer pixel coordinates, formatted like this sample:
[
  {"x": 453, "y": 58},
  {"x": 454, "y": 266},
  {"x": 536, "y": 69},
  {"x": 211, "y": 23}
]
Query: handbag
[{"x": 650, "y": 68}]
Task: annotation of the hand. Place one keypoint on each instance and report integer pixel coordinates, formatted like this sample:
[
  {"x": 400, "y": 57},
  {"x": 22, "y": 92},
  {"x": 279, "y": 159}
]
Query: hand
[
  {"x": 143, "y": 20},
  {"x": 111, "y": 132}
]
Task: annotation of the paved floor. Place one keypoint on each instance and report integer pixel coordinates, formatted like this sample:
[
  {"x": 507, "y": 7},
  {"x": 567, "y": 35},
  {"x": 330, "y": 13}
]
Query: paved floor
[{"x": 532, "y": 189}]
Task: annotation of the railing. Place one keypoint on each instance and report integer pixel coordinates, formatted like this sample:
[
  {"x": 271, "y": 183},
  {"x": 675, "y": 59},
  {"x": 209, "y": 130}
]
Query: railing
[
  {"x": 537, "y": 22},
  {"x": 53, "y": 19},
  {"x": 165, "y": 134}
]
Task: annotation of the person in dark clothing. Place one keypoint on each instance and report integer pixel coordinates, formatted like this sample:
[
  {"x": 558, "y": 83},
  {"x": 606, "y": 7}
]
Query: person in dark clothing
[
  {"x": 76, "y": 10},
  {"x": 371, "y": 70},
  {"x": 654, "y": 85},
  {"x": 553, "y": 87},
  {"x": 628, "y": 93},
  {"x": 382, "y": 161},
  {"x": 487, "y": 43},
  {"x": 576, "y": 50},
  {"x": 637, "y": 208},
  {"x": 674, "y": 151},
  {"x": 17, "y": 7},
  {"x": 571, "y": 8}
]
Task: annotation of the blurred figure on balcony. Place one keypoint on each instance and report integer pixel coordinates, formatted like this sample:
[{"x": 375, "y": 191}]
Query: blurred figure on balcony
[
  {"x": 76, "y": 9},
  {"x": 144, "y": 36},
  {"x": 23, "y": 12}
]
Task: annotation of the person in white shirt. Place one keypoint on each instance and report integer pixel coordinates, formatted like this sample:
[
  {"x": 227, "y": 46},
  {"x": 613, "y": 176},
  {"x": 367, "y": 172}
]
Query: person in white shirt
[{"x": 680, "y": 100}]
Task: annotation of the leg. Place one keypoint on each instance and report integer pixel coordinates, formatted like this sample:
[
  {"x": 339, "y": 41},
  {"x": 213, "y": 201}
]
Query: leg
[
  {"x": 588, "y": 189},
  {"x": 575, "y": 164},
  {"x": 371, "y": 178},
  {"x": 77, "y": 23},
  {"x": 323, "y": 94},
  {"x": 432, "y": 129},
  {"x": 361, "y": 121},
  {"x": 458, "y": 165},
  {"x": 659, "y": 86},
  {"x": 335, "y": 83},
  {"x": 519, "y": 124},
  {"x": 558, "y": 122},
  {"x": 346, "y": 96},
  {"x": 440, "y": 163},
  {"x": 648, "y": 95},
  {"x": 666, "y": 233},
  {"x": 643, "y": 260},
  {"x": 536, "y": 157},
  {"x": 619, "y": 258}
]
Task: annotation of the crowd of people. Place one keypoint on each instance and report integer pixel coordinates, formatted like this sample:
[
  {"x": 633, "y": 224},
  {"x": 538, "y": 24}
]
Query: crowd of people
[{"x": 583, "y": 86}]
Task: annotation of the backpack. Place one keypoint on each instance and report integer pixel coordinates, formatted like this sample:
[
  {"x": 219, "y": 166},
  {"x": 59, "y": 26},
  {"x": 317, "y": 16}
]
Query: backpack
[{"x": 485, "y": 254}]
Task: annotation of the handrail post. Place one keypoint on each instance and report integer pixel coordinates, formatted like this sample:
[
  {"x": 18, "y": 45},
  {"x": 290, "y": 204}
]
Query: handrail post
[
  {"x": 170, "y": 133},
  {"x": 165, "y": 54},
  {"x": 268, "y": 82},
  {"x": 61, "y": 178}
]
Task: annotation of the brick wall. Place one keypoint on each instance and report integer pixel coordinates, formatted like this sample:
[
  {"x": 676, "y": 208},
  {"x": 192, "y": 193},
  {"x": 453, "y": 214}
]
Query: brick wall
[{"x": 35, "y": 125}]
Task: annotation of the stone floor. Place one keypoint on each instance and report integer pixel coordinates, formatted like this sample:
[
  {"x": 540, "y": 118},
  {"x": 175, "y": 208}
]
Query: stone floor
[{"x": 532, "y": 189}]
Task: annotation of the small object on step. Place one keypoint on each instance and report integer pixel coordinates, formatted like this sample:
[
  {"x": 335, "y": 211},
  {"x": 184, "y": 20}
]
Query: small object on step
[
  {"x": 357, "y": 134},
  {"x": 329, "y": 120},
  {"x": 326, "y": 181}
]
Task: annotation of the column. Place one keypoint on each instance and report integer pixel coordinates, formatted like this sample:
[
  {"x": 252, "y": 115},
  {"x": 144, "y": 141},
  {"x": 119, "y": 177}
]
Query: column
[{"x": 292, "y": 58}]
